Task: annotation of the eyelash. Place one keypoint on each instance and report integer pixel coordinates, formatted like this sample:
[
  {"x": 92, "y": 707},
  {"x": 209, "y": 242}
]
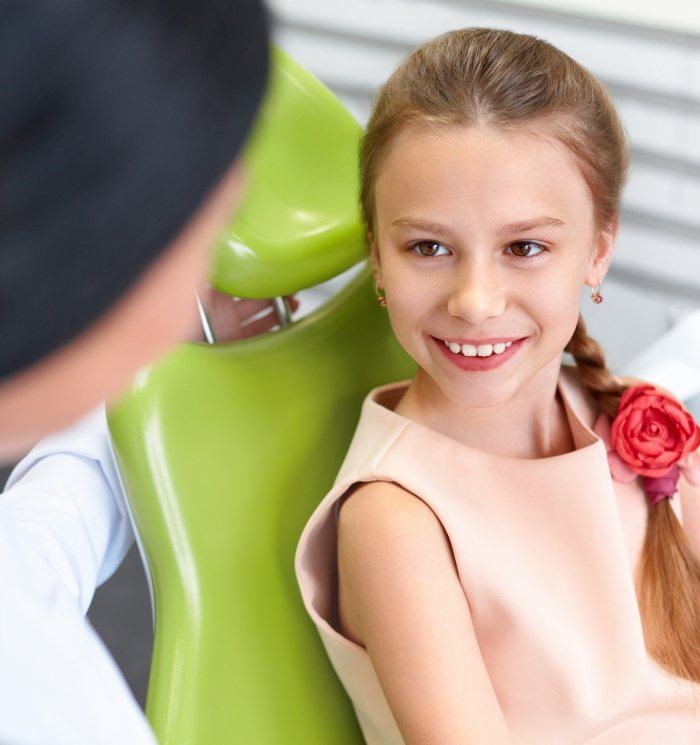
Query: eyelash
[{"x": 516, "y": 243}]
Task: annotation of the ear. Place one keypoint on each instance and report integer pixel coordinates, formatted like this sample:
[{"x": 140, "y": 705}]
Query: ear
[{"x": 603, "y": 252}]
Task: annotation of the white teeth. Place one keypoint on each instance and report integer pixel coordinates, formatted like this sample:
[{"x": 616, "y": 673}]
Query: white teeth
[{"x": 483, "y": 350}]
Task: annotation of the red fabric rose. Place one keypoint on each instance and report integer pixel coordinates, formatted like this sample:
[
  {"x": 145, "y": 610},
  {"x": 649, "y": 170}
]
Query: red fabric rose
[{"x": 652, "y": 430}]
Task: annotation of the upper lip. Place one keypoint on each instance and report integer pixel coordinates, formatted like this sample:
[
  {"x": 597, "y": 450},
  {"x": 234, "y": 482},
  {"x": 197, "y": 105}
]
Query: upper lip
[{"x": 477, "y": 342}]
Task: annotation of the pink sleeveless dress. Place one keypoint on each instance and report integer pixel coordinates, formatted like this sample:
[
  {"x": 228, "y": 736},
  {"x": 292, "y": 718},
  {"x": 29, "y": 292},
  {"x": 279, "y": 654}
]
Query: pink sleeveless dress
[{"x": 550, "y": 591}]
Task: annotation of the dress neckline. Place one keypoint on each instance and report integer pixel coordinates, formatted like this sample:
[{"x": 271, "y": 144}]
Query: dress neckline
[{"x": 579, "y": 413}]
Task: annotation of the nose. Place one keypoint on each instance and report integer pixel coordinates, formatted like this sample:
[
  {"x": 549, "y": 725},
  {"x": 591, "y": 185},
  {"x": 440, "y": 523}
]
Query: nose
[{"x": 477, "y": 292}]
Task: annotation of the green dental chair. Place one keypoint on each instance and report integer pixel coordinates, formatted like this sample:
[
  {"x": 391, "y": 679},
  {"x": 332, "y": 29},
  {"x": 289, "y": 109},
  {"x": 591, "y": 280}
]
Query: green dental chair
[{"x": 225, "y": 449}]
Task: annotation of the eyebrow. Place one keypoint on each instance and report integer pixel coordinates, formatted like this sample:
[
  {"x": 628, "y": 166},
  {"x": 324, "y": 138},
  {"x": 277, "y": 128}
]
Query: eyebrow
[{"x": 515, "y": 227}]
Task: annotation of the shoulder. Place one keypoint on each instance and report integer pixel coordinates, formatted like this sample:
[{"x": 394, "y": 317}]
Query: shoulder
[
  {"x": 86, "y": 439},
  {"x": 391, "y": 535},
  {"x": 384, "y": 509}
]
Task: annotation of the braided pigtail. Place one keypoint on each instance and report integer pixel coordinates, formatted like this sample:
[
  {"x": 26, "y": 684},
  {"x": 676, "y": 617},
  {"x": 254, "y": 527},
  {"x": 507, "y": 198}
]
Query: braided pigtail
[{"x": 668, "y": 577}]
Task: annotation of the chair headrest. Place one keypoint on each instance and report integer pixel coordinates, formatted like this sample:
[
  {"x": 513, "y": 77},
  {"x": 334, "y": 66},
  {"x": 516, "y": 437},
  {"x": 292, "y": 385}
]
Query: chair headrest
[{"x": 299, "y": 224}]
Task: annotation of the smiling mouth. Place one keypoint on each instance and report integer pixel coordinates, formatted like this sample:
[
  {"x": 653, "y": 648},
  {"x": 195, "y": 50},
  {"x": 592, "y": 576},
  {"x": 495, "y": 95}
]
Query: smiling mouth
[
  {"x": 482, "y": 357},
  {"x": 481, "y": 349}
]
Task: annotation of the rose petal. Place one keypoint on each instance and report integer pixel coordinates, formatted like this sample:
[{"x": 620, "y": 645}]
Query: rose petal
[
  {"x": 648, "y": 448},
  {"x": 627, "y": 455},
  {"x": 667, "y": 458},
  {"x": 694, "y": 442},
  {"x": 646, "y": 402},
  {"x": 619, "y": 470},
  {"x": 662, "y": 415},
  {"x": 687, "y": 424},
  {"x": 634, "y": 419},
  {"x": 633, "y": 392}
]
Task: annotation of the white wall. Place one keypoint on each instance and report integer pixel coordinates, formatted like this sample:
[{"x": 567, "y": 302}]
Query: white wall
[{"x": 654, "y": 75}]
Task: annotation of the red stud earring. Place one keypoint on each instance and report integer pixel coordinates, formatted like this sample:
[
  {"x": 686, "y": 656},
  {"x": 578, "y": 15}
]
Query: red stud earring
[
  {"x": 381, "y": 295},
  {"x": 595, "y": 294}
]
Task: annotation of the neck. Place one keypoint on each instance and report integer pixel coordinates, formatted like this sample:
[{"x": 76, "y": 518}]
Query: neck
[{"x": 531, "y": 422}]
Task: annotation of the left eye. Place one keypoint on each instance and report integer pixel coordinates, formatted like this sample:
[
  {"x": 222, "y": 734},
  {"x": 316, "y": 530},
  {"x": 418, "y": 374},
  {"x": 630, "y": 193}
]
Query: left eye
[
  {"x": 433, "y": 247},
  {"x": 528, "y": 243}
]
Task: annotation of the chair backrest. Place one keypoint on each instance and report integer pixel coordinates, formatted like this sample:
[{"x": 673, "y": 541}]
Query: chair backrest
[{"x": 225, "y": 450}]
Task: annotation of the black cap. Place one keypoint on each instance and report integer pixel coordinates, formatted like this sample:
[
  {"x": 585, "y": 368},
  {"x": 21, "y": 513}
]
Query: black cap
[{"x": 116, "y": 120}]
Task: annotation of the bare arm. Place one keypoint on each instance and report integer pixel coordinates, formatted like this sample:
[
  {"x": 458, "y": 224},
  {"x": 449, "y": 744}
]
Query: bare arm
[{"x": 401, "y": 588}]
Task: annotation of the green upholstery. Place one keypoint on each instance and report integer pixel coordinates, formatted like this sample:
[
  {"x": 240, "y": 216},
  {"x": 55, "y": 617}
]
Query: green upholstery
[
  {"x": 300, "y": 222},
  {"x": 225, "y": 450}
]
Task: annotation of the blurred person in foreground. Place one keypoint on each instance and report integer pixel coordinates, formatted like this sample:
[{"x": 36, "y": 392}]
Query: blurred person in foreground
[{"x": 121, "y": 129}]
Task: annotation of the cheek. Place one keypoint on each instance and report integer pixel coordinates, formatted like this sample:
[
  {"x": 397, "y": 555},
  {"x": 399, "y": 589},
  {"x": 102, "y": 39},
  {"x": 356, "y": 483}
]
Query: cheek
[
  {"x": 407, "y": 310},
  {"x": 404, "y": 317},
  {"x": 556, "y": 283},
  {"x": 555, "y": 308},
  {"x": 409, "y": 295}
]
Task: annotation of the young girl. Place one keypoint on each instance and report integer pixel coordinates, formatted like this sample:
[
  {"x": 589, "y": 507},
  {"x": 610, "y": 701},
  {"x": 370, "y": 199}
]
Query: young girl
[{"x": 511, "y": 564}]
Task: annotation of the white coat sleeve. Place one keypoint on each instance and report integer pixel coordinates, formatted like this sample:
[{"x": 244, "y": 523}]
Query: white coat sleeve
[{"x": 64, "y": 530}]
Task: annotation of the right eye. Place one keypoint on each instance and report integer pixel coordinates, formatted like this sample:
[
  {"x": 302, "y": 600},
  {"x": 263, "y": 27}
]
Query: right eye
[{"x": 433, "y": 246}]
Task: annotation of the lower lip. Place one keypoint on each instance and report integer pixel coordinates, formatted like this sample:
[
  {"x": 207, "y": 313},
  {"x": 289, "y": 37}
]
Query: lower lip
[{"x": 479, "y": 363}]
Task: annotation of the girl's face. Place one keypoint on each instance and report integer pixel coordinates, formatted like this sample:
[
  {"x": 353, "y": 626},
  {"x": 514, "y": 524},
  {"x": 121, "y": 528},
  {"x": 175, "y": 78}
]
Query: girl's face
[{"x": 458, "y": 262}]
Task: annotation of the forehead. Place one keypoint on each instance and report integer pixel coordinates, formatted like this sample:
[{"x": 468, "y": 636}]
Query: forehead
[{"x": 480, "y": 173}]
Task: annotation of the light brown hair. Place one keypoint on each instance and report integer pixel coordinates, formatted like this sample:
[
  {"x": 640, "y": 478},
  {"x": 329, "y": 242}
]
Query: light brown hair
[{"x": 506, "y": 80}]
